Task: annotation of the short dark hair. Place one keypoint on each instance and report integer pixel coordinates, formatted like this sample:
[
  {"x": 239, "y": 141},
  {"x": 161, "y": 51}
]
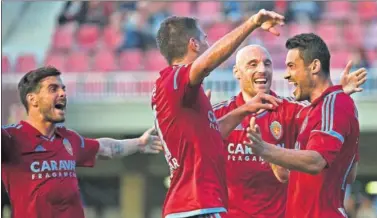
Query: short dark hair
[
  {"x": 311, "y": 47},
  {"x": 30, "y": 82},
  {"x": 174, "y": 34}
]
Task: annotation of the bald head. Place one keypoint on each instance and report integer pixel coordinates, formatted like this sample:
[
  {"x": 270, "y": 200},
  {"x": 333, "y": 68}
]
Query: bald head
[
  {"x": 253, "y": 69},
  {"x": 246, "y": 54}
]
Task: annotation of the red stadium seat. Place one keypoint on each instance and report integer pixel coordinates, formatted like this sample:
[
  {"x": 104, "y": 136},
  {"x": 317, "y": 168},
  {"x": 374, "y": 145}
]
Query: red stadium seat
[
  {"x": 367, "y": 10},
  {"x": 218, "y": 30},
  {"x": 339, "y": 58},
  {"x": 5, "y": 64},
  {"x": 87, "y": 37},
  {"x": 209, "y": 10},
  {"x": 353, "y": 34},
  {"x": 154, "y": 61},
  {"x": 330, "y": 34},
  {"x": 338, "y": 10},
  {"x": 78, "y": 62},
  {"x": 111, "y": 38},
  {"x": 295, "y": 29},
  {"x": 56, "y": 60},
  {"x": 104, "y": 61},
  {"x": 131, "y": 60},
  {"x": 63, "y": 39},
  {"x": 181, "y": 8},
  {"x": 25, "y": 63}
]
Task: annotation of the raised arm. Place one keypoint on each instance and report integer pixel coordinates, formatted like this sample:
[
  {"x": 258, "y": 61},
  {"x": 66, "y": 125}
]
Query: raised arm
[
  {"x": 224, "y": 47},
  {"x": 112, "y": 148},
  {"x": 351, "y": 82}
]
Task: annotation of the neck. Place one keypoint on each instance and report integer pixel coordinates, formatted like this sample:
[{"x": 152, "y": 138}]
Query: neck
[
  {"x": 187, "y": 59},
  {"x": 46, "y": 128},
  {"x": 319, "y": 88}
]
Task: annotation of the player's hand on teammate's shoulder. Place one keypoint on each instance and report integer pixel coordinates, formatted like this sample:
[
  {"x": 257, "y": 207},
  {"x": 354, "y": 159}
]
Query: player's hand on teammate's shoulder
[
  {"x": 150, "y": 142},
  {"x": 267, "y": 20},
  {"x": 351, "y": 82},
  {"x": 262, "y": 101}
]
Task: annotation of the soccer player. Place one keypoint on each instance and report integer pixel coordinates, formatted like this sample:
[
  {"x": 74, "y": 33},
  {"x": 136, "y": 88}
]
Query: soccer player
[
  {"x": 188, "y": 128},
  {"x": 252, "y": 187},
  {"x": 327, "y": 145},
  {"x": 39, "y": 158}
]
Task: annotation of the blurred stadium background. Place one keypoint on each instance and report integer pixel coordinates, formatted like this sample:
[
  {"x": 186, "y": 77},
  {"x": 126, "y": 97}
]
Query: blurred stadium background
[{"x": 109, "y": 60}]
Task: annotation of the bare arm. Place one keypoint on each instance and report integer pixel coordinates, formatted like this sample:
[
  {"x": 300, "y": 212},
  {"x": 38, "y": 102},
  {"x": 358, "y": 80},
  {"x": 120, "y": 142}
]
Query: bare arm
[
  {"x": 352, "y": 176},
  {"x": 229, "y": 122},
  {"x": 112, "y": 148},
  {"x": 223, "y": 48},
  {"x": 301, "y": 160}
]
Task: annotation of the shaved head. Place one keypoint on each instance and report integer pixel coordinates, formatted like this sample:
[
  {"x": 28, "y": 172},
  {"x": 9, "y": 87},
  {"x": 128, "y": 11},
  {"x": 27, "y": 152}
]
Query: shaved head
[
  {"x": 243, "y": 54},
  {"x": 253, "y": 69}
]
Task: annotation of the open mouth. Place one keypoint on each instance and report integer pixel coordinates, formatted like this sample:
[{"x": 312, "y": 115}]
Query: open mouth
[
  {"x": 293, "y": 83},
  {"x": 60, "y": 105},
  {"x": 260, "y": 81}
]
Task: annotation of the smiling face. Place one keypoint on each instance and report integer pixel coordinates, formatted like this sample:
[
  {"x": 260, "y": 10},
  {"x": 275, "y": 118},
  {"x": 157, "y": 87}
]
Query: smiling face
[
  {"x": 299, "y": 75},
  {"x": 49, "y": 101},
  {"x": 253, "y": 69}
]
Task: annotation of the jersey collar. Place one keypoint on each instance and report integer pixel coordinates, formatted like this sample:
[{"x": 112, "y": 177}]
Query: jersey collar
[
  {"x": 240, "y": 101},
  {"x": 326, "y": 92},
  {"x": 33, "y": 131}
]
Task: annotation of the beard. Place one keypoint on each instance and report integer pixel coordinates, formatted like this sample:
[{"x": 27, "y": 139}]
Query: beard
[{"x": 48, "y": 115}]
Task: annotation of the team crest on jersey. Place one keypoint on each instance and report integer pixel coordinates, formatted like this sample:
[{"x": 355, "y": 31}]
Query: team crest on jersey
[
  {"x": 276, "y": 130},
  {"x": 68, "y": 146}
]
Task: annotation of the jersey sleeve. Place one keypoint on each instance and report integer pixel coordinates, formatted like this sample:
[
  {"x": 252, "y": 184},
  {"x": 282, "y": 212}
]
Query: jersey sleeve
[
  {"x": 87, "y": 151},
  {"x": 6, "y": 145},
  {"x": 183, "y": 91},
  {"x": 329, "y": 133}
]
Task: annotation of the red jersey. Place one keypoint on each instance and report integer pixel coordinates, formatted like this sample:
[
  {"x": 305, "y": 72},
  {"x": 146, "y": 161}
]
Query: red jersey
[
  {"x": 190, "y": 135},
  {"x": 39, "y": 173},
  {"x": 254, "y": 191},
  {"x": 331, "y": 128}
]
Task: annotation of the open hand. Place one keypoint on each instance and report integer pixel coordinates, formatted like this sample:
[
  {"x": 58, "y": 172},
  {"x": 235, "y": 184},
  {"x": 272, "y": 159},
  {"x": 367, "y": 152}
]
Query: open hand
[
  {"x": 351, "y": 82},
  {"x": 150, "y": 142},
  {"x": 267, "y": 20}
]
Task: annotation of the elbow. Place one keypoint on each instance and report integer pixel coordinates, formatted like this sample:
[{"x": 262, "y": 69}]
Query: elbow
[{"x": 316, "y": 168}]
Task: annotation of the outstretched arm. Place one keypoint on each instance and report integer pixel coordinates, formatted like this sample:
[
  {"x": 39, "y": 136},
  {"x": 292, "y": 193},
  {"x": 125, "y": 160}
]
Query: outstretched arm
[
  {"x": 224, "y": 47},
  {"x": 261, "y": 101},
  {"x": 112, "y": 148}
]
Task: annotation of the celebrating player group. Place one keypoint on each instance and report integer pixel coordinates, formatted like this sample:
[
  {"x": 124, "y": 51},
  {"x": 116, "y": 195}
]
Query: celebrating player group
[{"x": 256, "y": 155}]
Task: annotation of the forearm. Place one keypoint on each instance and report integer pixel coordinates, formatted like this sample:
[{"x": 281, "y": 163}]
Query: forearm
[
  {"x": 280, "y": 173},
  {"x": 229, "y": 122},
  {"x": 300, "y": 160},
  {"x": 222, "y": 49},
  {"x": 112, "y": 148}
]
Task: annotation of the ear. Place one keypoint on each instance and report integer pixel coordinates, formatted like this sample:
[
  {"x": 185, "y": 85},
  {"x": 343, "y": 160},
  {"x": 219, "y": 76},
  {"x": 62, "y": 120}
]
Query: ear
[
  {"x": 32, "y": 99},
  {"x": 236, "y": 72},
  {"x": 315, "y": 67},
  {"x": 194, "y": 45}
]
